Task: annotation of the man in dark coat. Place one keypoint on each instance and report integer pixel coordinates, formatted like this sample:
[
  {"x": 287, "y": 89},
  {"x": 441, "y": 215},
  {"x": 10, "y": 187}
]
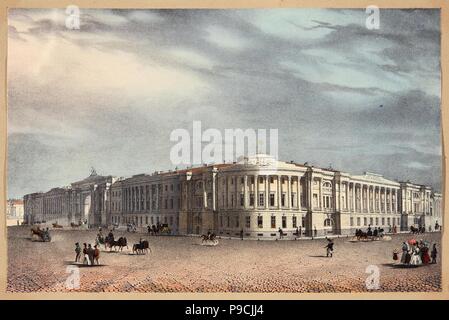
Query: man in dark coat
[{"x": 329, "y": 247}]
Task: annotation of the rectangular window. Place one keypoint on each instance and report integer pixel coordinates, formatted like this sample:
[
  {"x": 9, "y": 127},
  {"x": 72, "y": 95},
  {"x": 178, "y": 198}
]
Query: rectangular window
[
  {"x": 351, "y": 220},
  {"x": 389, "y": 221},
  {"x": 294, "y": 224},
  {"x": 377, "y": 221},
  {"x": 273, "y": 222},
  {"x": 365, "y": 221},
  {"x": 248, "y": 222},
  {"x": 371, "y": 221},
  {"x": 261, "y": 199},
  {"x": 221, "y": 221},
  {"x": 242, "y": 199},
  {"x": 284, "y": 222},
  {"x": 171, "y": 203},
  {"x": 251, "y": 199},
  {"x": 283, "y": 199},
  {"x": 260, "y": 222},
  {"x": 237, "y": 221},
  {"x": 383, "y": 221},
  {"x": 272, "y": 199},
  {"x": 293, "y": 204},
  {"x": 228, "y": 222}
]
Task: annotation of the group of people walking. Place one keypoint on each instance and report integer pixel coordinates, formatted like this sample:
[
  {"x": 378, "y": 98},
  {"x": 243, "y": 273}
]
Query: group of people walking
[
  {"x": 90, "y": 256},
  {"x": 417, "y": 253}
]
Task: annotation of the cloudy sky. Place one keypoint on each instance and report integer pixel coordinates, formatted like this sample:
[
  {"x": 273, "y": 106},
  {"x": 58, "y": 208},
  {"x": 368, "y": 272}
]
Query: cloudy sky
[{"x": 109, "y": 94}]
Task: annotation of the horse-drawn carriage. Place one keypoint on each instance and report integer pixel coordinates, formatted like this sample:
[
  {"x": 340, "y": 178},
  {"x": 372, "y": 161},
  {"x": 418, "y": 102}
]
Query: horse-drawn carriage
[
  {"x": 369, "y": 235},
  {"x": 415, "y": 230},
  {"x": 57, "y": 226},
  {"x": 110, "y": 242},
  {"x": 38, "y": 234},
  {"x": 209, "y": 239},
  {"x": 131, "y": 227},
  {"x": 165, "y": 229},
  {"x": 141, "y": 247}
]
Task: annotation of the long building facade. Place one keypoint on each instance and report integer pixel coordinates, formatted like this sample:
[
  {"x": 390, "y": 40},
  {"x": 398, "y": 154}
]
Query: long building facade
[{"x": 257, "y": 195}]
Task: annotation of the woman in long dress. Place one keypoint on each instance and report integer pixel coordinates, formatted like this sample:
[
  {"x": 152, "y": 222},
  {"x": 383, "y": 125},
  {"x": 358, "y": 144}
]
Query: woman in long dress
[{"x": 416, "y": 258}]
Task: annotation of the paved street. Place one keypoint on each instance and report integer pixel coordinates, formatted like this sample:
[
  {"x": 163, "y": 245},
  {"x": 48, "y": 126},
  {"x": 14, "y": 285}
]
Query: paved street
[{"x": 182, "y": 264}]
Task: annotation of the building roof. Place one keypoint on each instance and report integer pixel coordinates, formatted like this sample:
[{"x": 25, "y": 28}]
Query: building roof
[{"x": 374, "y": 177}]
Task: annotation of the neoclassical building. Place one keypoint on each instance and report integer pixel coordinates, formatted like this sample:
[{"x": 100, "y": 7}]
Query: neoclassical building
[{"x": 258, "y": 195}]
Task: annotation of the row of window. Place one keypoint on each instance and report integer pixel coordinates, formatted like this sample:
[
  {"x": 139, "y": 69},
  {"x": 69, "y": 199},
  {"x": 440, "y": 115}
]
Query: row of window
[
  {"x": 143, "y": 221},
  {"x": 252, "y": 179},
  {"x": 140, "y": 205},
  {"x": 234, "y": 222},
  {"x": 375, "y": 221},
  {"x": 261, "y": 202}
]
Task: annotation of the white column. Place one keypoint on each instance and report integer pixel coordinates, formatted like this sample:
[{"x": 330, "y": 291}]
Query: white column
[
  {"x": 279, "y": 191},
  {"x": 267, "y": 191},
  {"x": 289, "y": 192},
  {"x": 379, "y": 199},
  {"x": 256, "y": 191},
  {"x": 245, "y": 192},
  {"x": 353, "y": 197},
  {"x": 298, "y": 196}
]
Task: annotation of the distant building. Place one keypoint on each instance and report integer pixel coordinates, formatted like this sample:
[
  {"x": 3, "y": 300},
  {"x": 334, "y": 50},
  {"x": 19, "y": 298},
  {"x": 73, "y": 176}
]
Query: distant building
[
  {"x": 14, "y": 212},
  {"x": 258, "y": 194}
]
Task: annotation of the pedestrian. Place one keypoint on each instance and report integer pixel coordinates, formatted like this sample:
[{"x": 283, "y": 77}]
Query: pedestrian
[
  {"x": 77, "y": 251},
  {"x": 329, "y": 247},
  {"x": 86, "y": 255},
  {"x": 241, "y": 234},
  {"x": 300, "y": 231},
  {"x": 434, "y": 253},
  {"x": 281, "y": 233},
  {"x": 90, "y": 253},
  {"x": 315, "y": 232},
  {"x": 404, "y": 252},
  {"x": 415, "y": 257},
  {"x": 96, "y": 254},
  {"x": 425, "y": 254}
]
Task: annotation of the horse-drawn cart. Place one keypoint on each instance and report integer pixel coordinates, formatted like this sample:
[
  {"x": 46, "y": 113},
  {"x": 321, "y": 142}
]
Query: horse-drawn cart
[{"x": 37, "y": 234}]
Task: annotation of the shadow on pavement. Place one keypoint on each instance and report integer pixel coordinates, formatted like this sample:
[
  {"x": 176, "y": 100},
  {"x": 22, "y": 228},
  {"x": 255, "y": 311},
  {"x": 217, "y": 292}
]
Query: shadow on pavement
[{"x": 80, "y": 265}]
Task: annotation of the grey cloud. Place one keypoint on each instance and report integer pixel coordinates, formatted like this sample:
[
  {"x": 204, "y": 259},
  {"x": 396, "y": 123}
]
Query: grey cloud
[{"x": 248, "y": 89}]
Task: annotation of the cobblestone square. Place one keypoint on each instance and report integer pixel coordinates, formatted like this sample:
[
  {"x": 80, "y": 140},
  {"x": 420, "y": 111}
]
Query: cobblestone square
[{"x": 182, "y": 264}]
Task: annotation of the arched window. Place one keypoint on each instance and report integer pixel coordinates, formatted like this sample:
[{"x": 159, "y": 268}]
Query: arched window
[
  {"x": 328, "y": 222},
  {"x": 327, "y": 184}
]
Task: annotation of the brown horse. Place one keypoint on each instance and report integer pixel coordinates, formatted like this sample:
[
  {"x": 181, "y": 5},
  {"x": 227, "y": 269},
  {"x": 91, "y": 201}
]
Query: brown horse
[
  {"x": 119, "y": 244},
  {"x": 209, "y": 237},
  {"x": 141, "y": 247}
]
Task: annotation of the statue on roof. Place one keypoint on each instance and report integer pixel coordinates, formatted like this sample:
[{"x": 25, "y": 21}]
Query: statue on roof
[{"x": 92, "y": 171}]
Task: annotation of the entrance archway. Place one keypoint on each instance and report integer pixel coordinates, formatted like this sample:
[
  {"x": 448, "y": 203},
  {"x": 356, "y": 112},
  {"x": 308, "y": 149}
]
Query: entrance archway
[{"x": 328, "y": 226}]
